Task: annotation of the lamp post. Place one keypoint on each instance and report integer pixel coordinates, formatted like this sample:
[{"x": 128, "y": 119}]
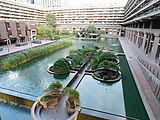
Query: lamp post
[{"x": 7, "y": 45}]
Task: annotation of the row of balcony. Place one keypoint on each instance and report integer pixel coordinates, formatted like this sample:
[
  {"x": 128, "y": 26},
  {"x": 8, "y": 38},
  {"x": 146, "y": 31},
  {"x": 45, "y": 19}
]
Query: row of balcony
[
  {"x": 141, "y": 8},
  {"x": 148, "y": 14}
]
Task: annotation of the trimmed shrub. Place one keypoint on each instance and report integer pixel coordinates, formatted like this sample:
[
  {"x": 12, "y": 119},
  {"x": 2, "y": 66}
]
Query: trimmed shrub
[
  {"x": 108, "y": 65},
  {"x": 61, "y": 66}
]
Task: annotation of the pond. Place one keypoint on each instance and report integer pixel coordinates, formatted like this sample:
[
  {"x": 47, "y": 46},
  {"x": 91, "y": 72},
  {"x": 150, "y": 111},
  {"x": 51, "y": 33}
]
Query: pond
[
  {"x": 32, "y": 77},
  {"x": 120, "y": 98}
]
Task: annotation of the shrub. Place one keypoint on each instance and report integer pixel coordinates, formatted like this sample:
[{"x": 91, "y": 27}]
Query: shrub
[
  {"x": 61, "y": 66},
  {"x": 54, "y": 85},
  {"x": 72, "y": 93},
  {"x": 107, "y": 56},
  {"x": 16, "y": 59},
  {"x": 108, "y": 65},
  {"x": 45, "y": 98}
]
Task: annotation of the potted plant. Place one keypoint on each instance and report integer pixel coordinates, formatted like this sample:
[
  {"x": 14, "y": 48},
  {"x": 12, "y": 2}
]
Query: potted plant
[
  {"x": 73, "y": 99},
  {"x": 51, "y": 95}
]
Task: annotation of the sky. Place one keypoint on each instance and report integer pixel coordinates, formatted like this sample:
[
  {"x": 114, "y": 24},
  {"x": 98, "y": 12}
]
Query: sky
[{"x": 97, "y": 2}]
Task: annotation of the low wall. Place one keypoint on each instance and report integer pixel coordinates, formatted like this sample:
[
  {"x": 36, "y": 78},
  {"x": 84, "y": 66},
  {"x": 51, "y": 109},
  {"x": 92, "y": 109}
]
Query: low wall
[
  {"x": 17, "y": 97},
  {"x": 153, "y": 80}
]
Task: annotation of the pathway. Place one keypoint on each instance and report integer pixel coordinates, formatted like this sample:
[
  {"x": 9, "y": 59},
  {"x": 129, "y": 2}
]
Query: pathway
[
  {"x": 150, "y": 101},
  {"x": 12, "y": 48}
]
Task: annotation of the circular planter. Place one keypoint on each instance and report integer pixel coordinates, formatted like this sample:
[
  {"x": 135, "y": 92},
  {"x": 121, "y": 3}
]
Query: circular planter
[
  {"x": 51, "y": 72},
  {"x": 102, "y": 71}
]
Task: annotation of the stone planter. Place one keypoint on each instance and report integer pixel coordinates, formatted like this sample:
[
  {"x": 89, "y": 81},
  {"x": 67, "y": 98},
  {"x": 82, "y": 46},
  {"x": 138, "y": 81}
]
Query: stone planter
[{"x": 99, "y": 71}]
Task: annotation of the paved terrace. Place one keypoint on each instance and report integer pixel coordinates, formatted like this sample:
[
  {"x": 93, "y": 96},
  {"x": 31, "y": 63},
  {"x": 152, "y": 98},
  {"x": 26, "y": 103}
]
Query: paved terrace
[
  {"x": 12, "y": 48},
  {"x": 149, "y": 99}
]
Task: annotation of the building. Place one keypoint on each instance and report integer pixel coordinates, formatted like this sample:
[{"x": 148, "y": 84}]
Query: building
[
  {"x": 13, "y": 31},
  {"x": 11, "y": 10},
  {"x": 107, "y": 18},
  {"x": 49, "y": 3},
  {"x": 142, "y": 25}
]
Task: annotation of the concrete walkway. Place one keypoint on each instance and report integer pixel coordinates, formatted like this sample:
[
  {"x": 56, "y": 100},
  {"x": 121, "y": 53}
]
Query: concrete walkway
[
  {"x": 12, "y": 48},
  {"x": 149, "y": 99}
]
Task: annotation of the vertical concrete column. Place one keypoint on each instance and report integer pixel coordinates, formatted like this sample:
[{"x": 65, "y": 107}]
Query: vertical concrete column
[
  {"x": 133, "y": 34},
  {"x": 137, "y": 38},
  {"x": 144, "y": 40},
  {"x": 151, "y": 24},
  {"x": 127, "y": 33},
  {"x": 130, "y": 32},
  {"x": 131, "y": 37},
  {"x": 118, "y": 31},
  {"x": 143, "y": 25},
  {"x": 155, "y": 47}
]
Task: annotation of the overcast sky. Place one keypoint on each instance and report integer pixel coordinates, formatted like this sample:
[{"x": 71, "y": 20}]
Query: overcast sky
[{"x": 97, "y": 2}]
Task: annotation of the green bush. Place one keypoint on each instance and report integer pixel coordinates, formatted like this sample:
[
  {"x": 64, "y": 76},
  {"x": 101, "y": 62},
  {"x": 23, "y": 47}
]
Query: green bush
[
  {"x": 61, "y": 66},
  {"x": 108, "y": 65},
  {"x": 45, "y": 98},
  {"x": 72, "y": 93},
  {"x": 107, "y": 56},
  {"x": 56, "y": 84},
  {"x": 16, "y": 59}
]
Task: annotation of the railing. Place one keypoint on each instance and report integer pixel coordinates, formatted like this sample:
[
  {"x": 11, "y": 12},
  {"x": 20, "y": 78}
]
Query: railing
[
  {"x": 150, "y": 68},
  {"x": 152, "y": 75}
]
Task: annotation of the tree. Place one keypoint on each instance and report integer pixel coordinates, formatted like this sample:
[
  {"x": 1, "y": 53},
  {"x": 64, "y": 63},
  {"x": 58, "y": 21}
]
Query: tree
[
  {"x": 91, "y": 29},
  {"x": 51, "y": 20}
]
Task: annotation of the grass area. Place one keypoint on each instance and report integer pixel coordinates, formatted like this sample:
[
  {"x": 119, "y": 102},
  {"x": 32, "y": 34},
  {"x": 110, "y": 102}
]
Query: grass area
[{"x": 16, "y": 59}]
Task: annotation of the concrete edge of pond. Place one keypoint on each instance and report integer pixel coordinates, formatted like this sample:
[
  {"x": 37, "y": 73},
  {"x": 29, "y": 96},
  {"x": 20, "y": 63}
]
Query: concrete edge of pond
[{"x": 17, "y": 97}]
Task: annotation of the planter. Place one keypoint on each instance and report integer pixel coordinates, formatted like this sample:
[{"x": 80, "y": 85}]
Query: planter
[
  {"x": 114, "y": 60},
  {"x": 54, "y": 99},
  {"x": 98, "y": 75},
  {"x": 56, "y": 74}
]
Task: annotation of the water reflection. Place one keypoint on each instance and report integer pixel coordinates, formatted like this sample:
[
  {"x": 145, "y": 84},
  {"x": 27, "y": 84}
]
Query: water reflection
[
  {"x": 61, "y": 77},
  {"x": 98, "y": 96}
]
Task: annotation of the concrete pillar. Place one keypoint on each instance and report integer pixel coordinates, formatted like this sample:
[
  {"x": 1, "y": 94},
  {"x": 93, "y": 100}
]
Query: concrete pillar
[
  {"x": 131, "y": 32},
  {"x": 138, "y": 25},
  {"x": 151, "y": 24},
  {"x": 132, "y": 36},
  {"x": 155, "y": 47},
  {"x": 143, "y": 25},
  {"x": 144, "y": 40},
  {"x": 137, "y": 39}
]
